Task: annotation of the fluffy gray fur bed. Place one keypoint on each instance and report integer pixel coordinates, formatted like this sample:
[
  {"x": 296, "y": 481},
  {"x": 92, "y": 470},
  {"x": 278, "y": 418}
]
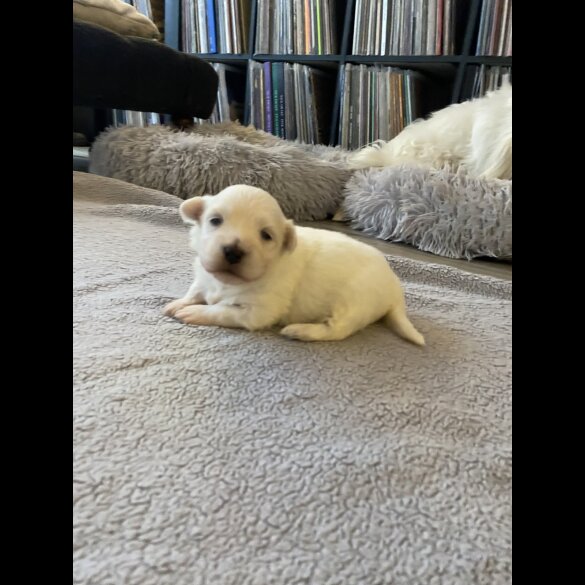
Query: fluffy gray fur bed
[
  {"x": 206, "y": 456},
  {"x": 448, "y": 214},
  {"x": 307, "y": 181}
]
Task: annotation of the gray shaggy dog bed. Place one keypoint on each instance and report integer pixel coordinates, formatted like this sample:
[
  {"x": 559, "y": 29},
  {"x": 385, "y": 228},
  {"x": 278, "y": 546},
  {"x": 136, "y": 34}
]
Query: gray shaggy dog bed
[
  {"x": 434, "y": 210},
  {"x": 437, "y": 211},
  {"x": 306, "y": 180}
]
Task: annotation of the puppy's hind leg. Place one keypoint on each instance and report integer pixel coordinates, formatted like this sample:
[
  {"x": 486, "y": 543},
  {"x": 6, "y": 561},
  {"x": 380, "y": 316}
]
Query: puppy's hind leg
[{"x": 334, "y": 329}]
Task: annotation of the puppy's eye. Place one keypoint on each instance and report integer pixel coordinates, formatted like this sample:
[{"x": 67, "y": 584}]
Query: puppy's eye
[
  {"x": 265, "y": 236},
  {"x": 216, "y": 221}
]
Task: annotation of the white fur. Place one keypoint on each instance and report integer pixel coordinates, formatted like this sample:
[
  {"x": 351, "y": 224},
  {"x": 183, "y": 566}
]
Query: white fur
[
  {"x": 475, "y": 135},
  {"x": 319, "y": 285}
]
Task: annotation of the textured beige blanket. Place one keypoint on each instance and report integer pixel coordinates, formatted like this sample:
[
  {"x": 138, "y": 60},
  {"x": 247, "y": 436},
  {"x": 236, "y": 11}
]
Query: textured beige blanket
[{"x": 221, "y": 457}]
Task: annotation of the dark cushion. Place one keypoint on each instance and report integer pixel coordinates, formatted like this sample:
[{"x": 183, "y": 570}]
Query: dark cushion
[{"x": 131, "y": 73}]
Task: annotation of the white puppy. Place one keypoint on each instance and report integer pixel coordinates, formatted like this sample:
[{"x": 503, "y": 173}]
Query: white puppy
[
  {"x": 475, "y": 135},
  {"x": 255, "y": 269}
]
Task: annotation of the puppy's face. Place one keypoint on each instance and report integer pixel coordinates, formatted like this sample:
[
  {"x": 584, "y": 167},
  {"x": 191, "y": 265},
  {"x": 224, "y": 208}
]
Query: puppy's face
[{"x": 239, "y": 233}]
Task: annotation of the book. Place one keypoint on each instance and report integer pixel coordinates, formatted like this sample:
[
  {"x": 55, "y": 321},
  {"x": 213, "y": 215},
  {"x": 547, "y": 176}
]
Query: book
[
  {"x": 268, "y": 126},
  {"x": 377, "y": 103},
  {"x": 495, "y": 28},
  {"x": 212, "y": 42},
  {"x": 280, "y": 99},
  {"x": 275, "y": 100},
  {"x": 290, "y": 124},
  {"x": 302, "y": 27}
]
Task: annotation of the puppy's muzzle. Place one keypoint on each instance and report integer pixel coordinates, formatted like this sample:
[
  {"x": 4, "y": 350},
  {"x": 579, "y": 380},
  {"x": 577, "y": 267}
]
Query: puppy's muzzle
[{"x": 233, "y": 254}]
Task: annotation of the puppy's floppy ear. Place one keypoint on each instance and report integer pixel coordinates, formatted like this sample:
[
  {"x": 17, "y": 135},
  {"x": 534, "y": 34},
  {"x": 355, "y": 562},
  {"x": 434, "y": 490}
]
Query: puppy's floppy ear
[
  {"x": 289, "y": 242},
  {"x": 191, "y": 209}
]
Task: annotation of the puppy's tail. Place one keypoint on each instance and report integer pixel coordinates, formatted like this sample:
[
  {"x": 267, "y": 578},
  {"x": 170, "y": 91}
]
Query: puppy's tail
[{"x": 397, "y": 320}]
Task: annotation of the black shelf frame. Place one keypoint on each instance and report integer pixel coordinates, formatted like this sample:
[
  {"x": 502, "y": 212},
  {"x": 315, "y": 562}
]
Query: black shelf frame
[{"x": 436, "y": 67}]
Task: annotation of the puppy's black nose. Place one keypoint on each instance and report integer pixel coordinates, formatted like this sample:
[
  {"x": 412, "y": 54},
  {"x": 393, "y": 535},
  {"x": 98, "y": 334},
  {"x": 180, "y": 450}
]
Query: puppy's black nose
[{"x": 233, "y": 254}]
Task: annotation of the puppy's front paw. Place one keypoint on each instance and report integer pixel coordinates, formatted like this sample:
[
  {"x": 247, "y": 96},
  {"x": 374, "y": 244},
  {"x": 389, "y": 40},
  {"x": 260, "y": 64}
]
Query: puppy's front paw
[
  {"x": 171, "y": 309},
  {"x": 192, "y": 315}
]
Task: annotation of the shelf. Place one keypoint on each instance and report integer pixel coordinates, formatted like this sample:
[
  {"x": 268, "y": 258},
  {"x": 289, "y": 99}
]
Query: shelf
[
  {"x": 442, "y": 65},
  {"x": 223, "y": 57},
  {"x": 488, "y": 60},
  {"x": 452, "y": 59},
  {"x": 445, "y": 76},
  {"x": 436, "y": 65},
  {"x": 427, "y": 62},
  {"x": 295, "y": 58},
  {"x": 298, "y": 58}
]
